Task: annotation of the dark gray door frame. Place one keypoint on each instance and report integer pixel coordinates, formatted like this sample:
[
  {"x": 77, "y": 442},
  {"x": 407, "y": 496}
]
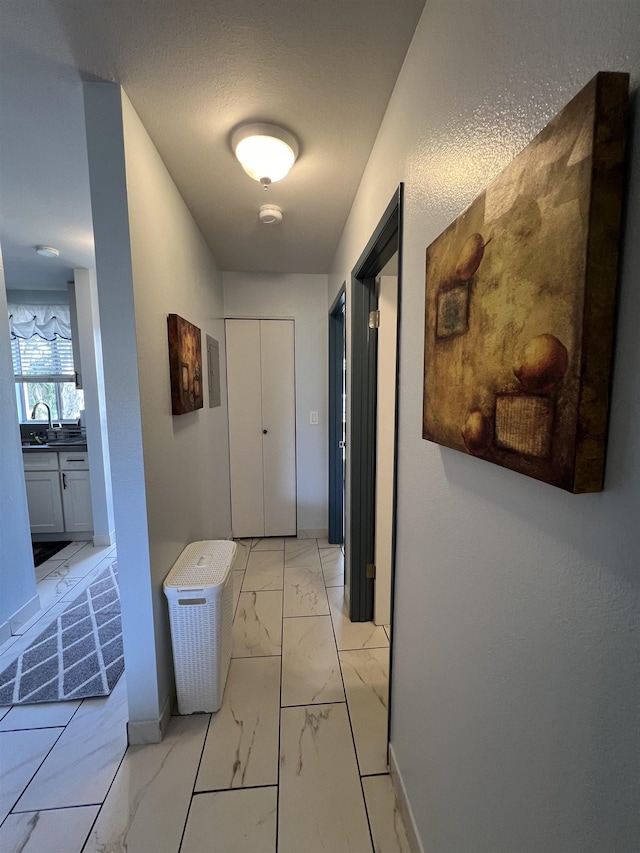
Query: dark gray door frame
[
  {"x": 361, "y": 456},
  {"x": 336, "y": 355}
]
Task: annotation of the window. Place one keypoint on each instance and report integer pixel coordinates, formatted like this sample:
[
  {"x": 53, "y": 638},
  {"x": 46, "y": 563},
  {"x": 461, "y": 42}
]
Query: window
[{"x": 43, "y": 366}]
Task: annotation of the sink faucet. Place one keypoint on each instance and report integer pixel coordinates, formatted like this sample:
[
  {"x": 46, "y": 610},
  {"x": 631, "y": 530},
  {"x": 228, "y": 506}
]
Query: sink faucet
[{"x": 33, "y": 412}]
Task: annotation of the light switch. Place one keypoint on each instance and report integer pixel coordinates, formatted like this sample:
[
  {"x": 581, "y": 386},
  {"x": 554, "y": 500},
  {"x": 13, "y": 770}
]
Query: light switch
[{"x": 313, "y": 417}]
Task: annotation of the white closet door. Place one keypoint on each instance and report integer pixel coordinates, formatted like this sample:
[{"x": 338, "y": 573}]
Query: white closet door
[
  {"x": 245, "y": 427},
  {"x": 279, "y": 427}
]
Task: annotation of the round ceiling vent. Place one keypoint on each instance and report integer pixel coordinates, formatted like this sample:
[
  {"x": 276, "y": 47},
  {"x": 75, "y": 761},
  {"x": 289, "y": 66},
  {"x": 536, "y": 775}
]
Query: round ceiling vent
[{"x": 270, "y": 214}]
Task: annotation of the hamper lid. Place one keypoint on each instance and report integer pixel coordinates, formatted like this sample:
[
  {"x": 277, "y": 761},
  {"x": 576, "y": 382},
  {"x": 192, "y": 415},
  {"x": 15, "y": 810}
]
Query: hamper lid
[{"x": 205, "y": 563}]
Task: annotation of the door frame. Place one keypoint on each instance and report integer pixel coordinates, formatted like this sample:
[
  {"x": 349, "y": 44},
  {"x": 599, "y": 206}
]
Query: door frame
[
  {"x": 337, "y": 320},
  {"x": 361, "y": 455}
]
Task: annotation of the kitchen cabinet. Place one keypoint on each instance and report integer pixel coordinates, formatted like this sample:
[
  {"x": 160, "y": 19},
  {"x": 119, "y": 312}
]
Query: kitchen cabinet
[
  {"x": 76, "y": 491},
  {"x": 45, "y": 501},
  {"x": 262, "y": 432},
  {"x": 58, "y": 491}
]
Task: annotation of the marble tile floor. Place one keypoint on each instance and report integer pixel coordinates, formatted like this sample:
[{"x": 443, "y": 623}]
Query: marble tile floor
[{"x": 294, "y": 761}]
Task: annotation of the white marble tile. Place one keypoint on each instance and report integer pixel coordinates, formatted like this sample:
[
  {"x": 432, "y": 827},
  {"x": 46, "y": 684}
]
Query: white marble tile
[
  {"x": 232, "y": 822},
  {"x": 84, "y": 561},
  {"x": 264, "y": 571},
  {"x": 257, "y": 628},
  {"x": 243, "y": 547},
  {"x": 74, "y": 548},
  {"x": 304, "y": 592},
  {"x": 387, "y": 630},
  {"x": 55, "y": 831},
  {"x": 147, "y": 805},
  {"x": 321, "y": 806},
  {"x": 270, "y": 543},
  {"x": 324, "y": 543},
  {"x": 81, "y": 766},
  {"x": 46, "y": 568},
  {"x": 238, "y": 578},
  {"x": 41, "y": 716},
  {"x": 241, "y": 749},
  {"x": 21, "y": 753},
  {"x": 332, "y": 560},
  {"x": 303, "y": 553},
  {"x": 353, "y": 635},
  {"x": 387, "y": 827},
  {"x": 310, "y": 667},
  {"x": 55, "y": 587},
  {"x": 366, "y": 682},
  {"x": 4, "y": 712}
]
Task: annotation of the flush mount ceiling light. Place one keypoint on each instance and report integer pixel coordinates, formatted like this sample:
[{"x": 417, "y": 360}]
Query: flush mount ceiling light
[
  {"x": 47, "y": 251},
  {"x": 265, "y": 151}
]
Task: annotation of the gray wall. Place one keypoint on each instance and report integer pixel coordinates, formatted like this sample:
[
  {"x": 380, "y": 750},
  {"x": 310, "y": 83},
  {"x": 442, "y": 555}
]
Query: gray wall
[
  {"x": 17, "y": 575},
  {"x": 516, "y": 689},
  {"x": 170, "y": 474}
]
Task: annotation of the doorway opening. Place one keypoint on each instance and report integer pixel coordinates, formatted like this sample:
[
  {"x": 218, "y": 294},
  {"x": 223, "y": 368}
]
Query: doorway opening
[
  {"x": 362, "y": 442},
  {"x": 337, "y": 418}
]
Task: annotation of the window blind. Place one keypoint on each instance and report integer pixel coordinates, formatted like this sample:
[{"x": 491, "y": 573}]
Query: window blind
[{"x": 38, "y": 357}]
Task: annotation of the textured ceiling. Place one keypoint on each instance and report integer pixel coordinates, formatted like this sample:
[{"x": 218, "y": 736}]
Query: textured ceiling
[{"x": 194, "y": 70}]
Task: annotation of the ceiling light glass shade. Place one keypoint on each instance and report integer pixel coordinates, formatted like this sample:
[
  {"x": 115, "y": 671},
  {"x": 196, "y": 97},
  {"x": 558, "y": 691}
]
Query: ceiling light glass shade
[
  {"x": 47, "y": 251},
  {"x": 265, "y": 151}
]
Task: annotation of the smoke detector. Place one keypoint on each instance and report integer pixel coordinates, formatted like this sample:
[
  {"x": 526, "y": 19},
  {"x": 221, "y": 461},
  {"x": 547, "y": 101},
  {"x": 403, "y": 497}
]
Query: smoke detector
[{"x": 270, "y": 214}]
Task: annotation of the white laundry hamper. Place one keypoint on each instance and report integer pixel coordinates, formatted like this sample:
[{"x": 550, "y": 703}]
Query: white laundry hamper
[{"x": 199, "y": 590}]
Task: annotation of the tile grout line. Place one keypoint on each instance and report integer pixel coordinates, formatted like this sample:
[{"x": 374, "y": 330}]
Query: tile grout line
[
  {"x": 353, "y": 739},
  {"x": 277, "y": 839},
  {"x": 11, "y": 810}
]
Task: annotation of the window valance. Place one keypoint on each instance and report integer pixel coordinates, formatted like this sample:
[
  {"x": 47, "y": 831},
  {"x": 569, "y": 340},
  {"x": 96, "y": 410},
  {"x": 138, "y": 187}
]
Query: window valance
[{"x": 46, "y": 321}]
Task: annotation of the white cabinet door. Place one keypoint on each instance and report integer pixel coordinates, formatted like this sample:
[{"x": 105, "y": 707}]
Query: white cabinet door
[
  {"x": 261, "y": 397},
  {"x": 245, "y": 427},
  {"x": 279, "y": 427},
  {"x": 76, "y": 501},
  {"x": 45, "y": 503}
]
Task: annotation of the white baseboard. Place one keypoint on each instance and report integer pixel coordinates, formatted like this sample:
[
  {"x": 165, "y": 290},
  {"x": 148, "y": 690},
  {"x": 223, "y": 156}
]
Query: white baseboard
[
  {"x": 150, "y": 731},
  {"x": 313, "y": 533},
  {"x": 23, "y": 614},
  {"x": 104, "y": 540},
  {"x": 405, "y": 806}
]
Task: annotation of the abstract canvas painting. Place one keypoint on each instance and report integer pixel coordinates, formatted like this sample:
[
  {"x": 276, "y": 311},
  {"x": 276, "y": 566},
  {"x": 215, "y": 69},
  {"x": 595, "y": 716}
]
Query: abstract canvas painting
[
  {"x": 520, "y": 301},
  {"x": 185, "y": 364}
]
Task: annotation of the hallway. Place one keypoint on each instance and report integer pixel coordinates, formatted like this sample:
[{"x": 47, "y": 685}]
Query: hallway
[{"x": 294, "y": 761}]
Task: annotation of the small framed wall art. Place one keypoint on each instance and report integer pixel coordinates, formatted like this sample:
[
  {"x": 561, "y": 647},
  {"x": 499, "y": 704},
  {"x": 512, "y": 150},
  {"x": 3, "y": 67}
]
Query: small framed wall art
[
  {"x": 520, "y": 301},
  {"x": 185, "y": 365}
]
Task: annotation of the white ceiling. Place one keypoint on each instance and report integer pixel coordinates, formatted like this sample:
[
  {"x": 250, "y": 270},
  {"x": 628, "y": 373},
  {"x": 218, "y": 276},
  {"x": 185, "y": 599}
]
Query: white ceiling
[{"x": 194, "y": 70}]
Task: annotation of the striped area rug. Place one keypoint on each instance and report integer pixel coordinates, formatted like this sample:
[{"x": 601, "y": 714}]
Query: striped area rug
[{"x": 79, "y": 655}]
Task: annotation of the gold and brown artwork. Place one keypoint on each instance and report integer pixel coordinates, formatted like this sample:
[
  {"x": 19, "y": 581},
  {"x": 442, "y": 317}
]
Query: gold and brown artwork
[
  {"x": 520, "y": 301},
  {"x": 185, "y": 363}
]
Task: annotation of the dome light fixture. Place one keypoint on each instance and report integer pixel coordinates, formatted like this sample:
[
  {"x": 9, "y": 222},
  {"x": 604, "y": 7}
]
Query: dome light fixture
[
  {"x": 47, "y": 251},
  {"x": 265, "y": 151}
]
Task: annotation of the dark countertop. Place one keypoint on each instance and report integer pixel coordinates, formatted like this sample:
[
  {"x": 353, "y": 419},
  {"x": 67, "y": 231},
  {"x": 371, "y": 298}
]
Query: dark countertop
[{"x": 55, "y": 445}]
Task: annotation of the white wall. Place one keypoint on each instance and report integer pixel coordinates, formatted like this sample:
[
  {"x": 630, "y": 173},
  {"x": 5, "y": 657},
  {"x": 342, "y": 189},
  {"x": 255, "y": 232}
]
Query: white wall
[
  {"x": 17, "y": 575},
  {"x": 516, "y": 689},
  {"x": 170, "y": 474},
  {"x": 304, "y": 298}
]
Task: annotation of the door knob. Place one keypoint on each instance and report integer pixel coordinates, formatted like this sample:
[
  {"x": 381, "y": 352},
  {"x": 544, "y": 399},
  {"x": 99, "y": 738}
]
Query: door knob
[{"x": 264, "y": 431}]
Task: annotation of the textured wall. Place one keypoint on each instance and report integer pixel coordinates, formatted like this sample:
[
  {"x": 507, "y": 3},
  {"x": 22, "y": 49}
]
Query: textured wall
[
  {"x": 304, "y": 298},
  {"x": 516, "y": 682}
]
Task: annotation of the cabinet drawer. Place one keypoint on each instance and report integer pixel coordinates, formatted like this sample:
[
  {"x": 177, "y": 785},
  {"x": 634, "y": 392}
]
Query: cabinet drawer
[
  {"x": 40, "y": 461},
  {"x": 71, "y": 460}
]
